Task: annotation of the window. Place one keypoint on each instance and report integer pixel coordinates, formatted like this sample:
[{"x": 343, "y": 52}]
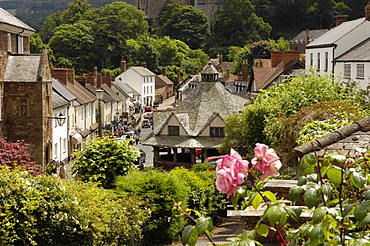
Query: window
[
  {"x": 9, "y": 42},
  {"x": 20, "y": 106},
  {"x": 64, "y": 145},
  {"x": 311, "y": 59},
  {"x": 318, "y": 62},
  {"x": 56, "y": 150},
  {"x": 173, "y": 130},
  {"x": 360, "y": 71},
  {"x": 20, "y": 45},
  {"x": 347, "y": 71},
  {"x": 326, "y": 62},
  {"x": 217, "y": 132}
]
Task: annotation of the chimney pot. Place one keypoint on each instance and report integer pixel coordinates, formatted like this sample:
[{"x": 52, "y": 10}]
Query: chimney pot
[
  {"x": 367, "y": 11},
  {"x": 340, "y": 19},
  {"x": 123, "y": 65}
]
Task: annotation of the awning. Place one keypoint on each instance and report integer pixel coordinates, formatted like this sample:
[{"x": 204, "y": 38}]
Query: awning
[
  {"x": 94, "y": 126},
  {"x": 76, "y": 138}
]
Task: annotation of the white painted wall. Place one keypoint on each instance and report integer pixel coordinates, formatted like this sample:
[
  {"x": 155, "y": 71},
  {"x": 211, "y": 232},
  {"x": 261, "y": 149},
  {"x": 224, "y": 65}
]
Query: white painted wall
[{"x": 60, "y": 136}]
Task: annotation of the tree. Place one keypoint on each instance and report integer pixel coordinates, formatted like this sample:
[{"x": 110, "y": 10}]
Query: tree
[
  {"x": 75, "y": 43},
  {"x": 115, "y": 24},
  {"x": 103, "y": 160},
  {"x": 184, "y": 23},
  {"x": 259, "y": 122},
  {"x": 237, "y": 24},
  {"x": 14, "y": 154}
]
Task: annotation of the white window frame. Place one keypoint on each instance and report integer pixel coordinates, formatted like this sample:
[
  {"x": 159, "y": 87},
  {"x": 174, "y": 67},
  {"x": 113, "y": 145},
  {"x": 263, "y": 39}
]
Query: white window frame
[
  {"x": 9, "y": 42},
  {"x": 360, "y": 71},
  {"x": 318, "y": 62},
  {"x": 20, "y": 45},
  {"x": 326, "y": 61},
  {"x": 347, "y": 71}
]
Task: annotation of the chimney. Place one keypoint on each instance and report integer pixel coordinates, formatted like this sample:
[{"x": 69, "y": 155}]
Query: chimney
[
  {"x": 276, "y": 57},
  {"x": 164, "y": 71},
  {"x": 339, "y": 19},
  {"x": 99, "y": 81},
  {"x": 307, "y": 36},
  {"x": 71, "y": 75},
  {"x": 95, "y": 71},
  {"x": 289, "y": 56},
  {"x": 178, "y": 76},
  {"x": 61, "y": 74},
  {"x": 227, "y": 74},
  {"x": 244, "y": 71},
  {"x": 143, "y": 64},
  {"x": 367, "y": 11},
  {"x": 123, "y": 65},
  {"x": 220, "y": 59}
]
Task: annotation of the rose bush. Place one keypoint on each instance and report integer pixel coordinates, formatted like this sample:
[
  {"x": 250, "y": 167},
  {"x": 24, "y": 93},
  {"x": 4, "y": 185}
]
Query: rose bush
[{"x": 335, "y": 190}]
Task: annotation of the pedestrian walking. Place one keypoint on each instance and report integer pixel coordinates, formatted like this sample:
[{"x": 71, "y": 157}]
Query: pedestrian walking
[{"x": 137, "y": 140}]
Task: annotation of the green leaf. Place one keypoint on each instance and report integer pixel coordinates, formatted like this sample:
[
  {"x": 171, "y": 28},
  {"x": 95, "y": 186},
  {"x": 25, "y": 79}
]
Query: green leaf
[
  {"x": 366, "y": 220},
  {"x": 366, "y": 194},
  {"x": 234, "y": 200},
  {"x": 262, "y": 230},
  {"x": 248, "y": 235},
  {"x": 189, "y": 235},
  {"x": 283, "y": 219},
  {"x": 302, "y": 180},
  {"x": 257, "y": 201},
  {"x": 327, "y": 190},
  {"x": 295, "y": 192},
  {"x": 347, "y": 209},
  {"x": 311, "y": 198},
  {"x": 294, "y": 211},
  {"x": 335, "y": 176},
  {"x": 315, "y": 232},
  {"x": 313, "y": 177},
  {"x": 310, "y": 159},
  {"x": 361, "y": 211},
  {"x": 204, "y": 224},
  {"x": 358, "y": 179},
  {"x": 271, "y": 196},
  {"x": 274, "y": 214},
  {"x": 319, "y": 214}
]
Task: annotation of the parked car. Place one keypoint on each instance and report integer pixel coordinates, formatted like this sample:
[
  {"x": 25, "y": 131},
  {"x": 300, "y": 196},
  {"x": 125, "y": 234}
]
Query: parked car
[
  {"x": 145, "y": 123},
  {"x": 212, "y": 160},
  {"x": 148, "y": 109},
  {"x": 155, "y": 104},
  {"x": 149, "y": 116}
]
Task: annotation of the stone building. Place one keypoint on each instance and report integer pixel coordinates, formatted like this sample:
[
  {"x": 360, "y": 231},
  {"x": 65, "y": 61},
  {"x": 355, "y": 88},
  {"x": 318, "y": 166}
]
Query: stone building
[
  {"x": 196, "y": 124},
  {"x": 25, "y": 90},
  {"x": 153, "y": 8}
]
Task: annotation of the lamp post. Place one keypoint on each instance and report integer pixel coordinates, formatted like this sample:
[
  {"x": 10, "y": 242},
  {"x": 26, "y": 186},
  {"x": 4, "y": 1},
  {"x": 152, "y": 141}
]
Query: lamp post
[
  {"x": 61, "y": 119},
  {"x": 99, "y": 96}
]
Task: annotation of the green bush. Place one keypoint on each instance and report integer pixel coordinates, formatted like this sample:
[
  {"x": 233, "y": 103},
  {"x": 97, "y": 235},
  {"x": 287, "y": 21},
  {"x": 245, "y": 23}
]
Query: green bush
[
  {"x": 158, "y": 190},
  {"x": 203, "y": 195},
  {"x": 103, "y": 160},
  {"x": 45, "y": 211}
]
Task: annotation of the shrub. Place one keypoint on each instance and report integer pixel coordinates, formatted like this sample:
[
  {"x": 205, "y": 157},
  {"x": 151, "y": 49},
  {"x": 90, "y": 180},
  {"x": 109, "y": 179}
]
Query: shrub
[
  {"x": 203, "y": 195},
  {"x": 158, "y": 190},
  {"x": 43, "y": 210},
  {"x": 103, "y": 160}
]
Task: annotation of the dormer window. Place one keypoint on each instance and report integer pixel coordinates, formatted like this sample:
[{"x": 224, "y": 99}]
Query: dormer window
[
  {"x": 216, "y": 132},
  {"x": 173, "y": 130}
]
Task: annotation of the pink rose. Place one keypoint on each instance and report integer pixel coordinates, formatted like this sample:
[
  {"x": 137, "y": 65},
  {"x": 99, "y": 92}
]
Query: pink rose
[
  {"x": 231, "y": 171},
  {"x": 266, "y": 161}
]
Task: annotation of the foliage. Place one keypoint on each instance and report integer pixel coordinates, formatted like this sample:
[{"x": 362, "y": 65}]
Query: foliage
[
  {"x": 261, "y": 49},
  {"x": 309, "y": 122},
  {"x": 281, "y": 44},
  {"x": 103, "y": 160},
  {"x": 237, "y": 25},
  {"x": 184, "y": 23},
  {"x": 202, "y": 194},
  {"x": 158, "y": 190},
  {"x": 45, "y": 211},
  {"x": 14, "y": 154},
  {"x": 259, "y": 121}
]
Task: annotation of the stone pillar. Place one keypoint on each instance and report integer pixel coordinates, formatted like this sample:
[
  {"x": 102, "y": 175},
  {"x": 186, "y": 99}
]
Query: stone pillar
[{"x": 175, "y": 157}]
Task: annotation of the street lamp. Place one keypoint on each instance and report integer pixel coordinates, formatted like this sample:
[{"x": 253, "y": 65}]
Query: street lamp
[
  {"x": 61, "y": 119},
  {"x": 99, "y": 95}
]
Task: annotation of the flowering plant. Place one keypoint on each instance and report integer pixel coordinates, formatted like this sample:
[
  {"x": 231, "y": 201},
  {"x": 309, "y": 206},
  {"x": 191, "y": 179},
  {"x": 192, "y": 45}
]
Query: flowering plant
[{"x": 335, "y": 190}]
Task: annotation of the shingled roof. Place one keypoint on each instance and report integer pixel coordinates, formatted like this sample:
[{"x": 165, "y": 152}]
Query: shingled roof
[{"x": 8, "y": 19}]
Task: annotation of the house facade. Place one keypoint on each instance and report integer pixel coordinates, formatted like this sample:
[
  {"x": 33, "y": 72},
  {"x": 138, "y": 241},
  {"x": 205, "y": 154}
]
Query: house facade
[
  {"x": 141, "y": 80},
  {"x": 322, "y": 52},
  {"x": 164, "y": 87}
]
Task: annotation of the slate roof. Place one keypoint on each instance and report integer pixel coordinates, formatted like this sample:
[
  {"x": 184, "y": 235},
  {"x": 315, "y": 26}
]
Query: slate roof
[
  {"x": 82, "y": 95},
  {"x": 120, "y": 89},
  {"x": 61, "y": 90},
  {"x": 331, "y": 37},
  {"x": 341, "y": 141},
  {"x": 143, "y": 71},
  {"x": 23, "y": 68},
  {"x": 164, "y": 79},
  {"x": 9, "y": 19},
  {"x": 205, "y": 102},
  {"x": 312, "y": 35},
  {"x": 58, "y": 100},
  {"x": 359, "y": 53},
  {"x": 92, "y": 89},
  {"x": 111, "y": 93}
]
